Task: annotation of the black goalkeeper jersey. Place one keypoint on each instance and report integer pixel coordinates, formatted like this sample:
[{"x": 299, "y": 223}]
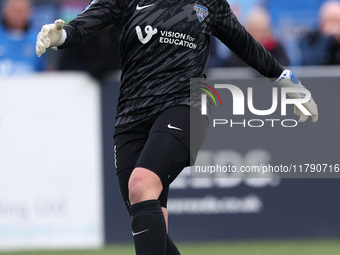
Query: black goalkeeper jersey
[{"x": 164, "y": 43}]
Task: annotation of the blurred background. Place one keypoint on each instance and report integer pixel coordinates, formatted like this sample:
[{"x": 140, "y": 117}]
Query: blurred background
[{"x": 58, "y": 188}]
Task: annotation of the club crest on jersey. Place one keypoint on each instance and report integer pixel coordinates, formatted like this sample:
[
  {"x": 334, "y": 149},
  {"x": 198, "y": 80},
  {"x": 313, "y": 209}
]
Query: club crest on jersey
[{"x": 201, "y": 12}]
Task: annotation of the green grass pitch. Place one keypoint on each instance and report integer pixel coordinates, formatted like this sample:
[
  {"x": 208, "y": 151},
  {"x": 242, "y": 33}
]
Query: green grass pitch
[{"x": 310, "y": 247}]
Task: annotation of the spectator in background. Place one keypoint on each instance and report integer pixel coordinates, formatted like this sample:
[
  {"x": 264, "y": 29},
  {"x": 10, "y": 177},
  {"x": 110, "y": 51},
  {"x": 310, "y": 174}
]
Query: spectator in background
[
  {"x": 17, "y": 40},
  {"x": 322, "y": 47},
  {"x": 258, "y": 25}
]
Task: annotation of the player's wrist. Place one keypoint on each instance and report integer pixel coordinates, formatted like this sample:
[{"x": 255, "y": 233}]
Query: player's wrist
[
  {"x": 61, "y": 41},
  {"x": 288, "y": 80},
  {"x": 63, "y": 38}
]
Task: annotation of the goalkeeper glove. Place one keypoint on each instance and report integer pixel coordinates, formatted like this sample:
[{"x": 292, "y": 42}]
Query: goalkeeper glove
[
  {"x": 289, "y": 80},
  {"x": 50, "y": 36}
]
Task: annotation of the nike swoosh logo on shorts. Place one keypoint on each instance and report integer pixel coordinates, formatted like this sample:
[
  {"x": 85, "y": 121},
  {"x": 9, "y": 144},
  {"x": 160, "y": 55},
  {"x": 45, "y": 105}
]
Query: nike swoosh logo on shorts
[
  {"x": 138, "y": 233},
  {"x": 138, "y": 8},
  {"x": 172, "y": 127}
]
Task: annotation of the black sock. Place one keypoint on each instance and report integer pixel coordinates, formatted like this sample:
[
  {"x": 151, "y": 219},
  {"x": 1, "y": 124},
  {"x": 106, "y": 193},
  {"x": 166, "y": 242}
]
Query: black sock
[
  {"x": 171, "y": 248},
  {"x": 148, "y": 228}
]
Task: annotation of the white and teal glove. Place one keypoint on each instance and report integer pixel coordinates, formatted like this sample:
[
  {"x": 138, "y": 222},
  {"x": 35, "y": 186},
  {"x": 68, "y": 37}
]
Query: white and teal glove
[
  {"x": 291, "y": 82},
  {"x": 50, "y": 36}
]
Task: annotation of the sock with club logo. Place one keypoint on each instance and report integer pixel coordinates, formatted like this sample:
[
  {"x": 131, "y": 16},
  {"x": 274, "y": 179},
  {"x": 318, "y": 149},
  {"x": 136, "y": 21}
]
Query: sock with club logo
[{"x": 148, "y": 228}]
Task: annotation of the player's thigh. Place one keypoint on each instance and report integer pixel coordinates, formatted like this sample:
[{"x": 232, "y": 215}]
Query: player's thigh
[
  {"x": 129, "y": 142},
  {"x": 184, "y": 123},
  {"x": 127, "y": 151},
  {"x": 164, "y": 155},
  {"x": 168, "y": 148}
]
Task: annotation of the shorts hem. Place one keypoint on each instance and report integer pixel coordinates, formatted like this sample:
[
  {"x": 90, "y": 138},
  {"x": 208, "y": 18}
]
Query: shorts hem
[
  {"x": 154, "y": 171},
  {"x": 124, "y": 168}
]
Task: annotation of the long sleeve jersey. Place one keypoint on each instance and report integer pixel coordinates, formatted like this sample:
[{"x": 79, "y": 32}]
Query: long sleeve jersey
[{"x": 163, "y": 44}]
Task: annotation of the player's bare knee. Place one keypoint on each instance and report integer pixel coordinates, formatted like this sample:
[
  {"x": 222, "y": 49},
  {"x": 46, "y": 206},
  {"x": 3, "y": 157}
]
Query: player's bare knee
[
  {"x": 136, "y": 190},
  {"x": 144, "y": 185}
]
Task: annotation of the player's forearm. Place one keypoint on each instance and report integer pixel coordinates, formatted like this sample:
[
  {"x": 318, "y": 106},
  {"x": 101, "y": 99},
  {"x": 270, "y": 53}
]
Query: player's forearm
[
  {"x": 96, "y": 17},
  {"x": 251, "y": 51},
  {"x": 74, "y": 36},
  {"x": 230, "y": 31},
  {"x": 256, "y": 56}
]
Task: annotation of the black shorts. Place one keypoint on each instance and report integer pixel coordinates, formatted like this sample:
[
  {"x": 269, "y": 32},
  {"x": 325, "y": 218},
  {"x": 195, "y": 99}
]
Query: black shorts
[{"x": 161, "y": 144}]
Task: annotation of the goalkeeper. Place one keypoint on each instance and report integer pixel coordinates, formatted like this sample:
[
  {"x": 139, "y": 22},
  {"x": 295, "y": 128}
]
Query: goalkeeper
[{"x": 163, "y": 44}]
